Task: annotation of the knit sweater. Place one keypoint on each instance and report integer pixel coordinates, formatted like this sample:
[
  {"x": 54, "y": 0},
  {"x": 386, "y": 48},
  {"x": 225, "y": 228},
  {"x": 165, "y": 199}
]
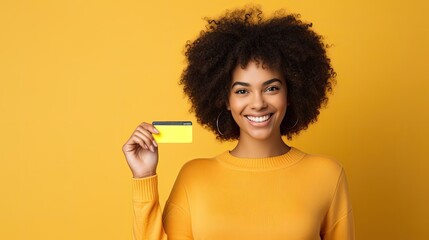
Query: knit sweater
[{"x": 295, "y": 196}]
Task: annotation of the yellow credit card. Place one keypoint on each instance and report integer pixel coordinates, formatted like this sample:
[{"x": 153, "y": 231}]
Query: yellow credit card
[{"x": 173, "y": 131}]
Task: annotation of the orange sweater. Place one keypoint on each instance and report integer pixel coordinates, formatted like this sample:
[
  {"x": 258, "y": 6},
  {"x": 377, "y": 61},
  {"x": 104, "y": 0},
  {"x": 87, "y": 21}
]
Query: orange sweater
[{"x": 292, "y": 196}]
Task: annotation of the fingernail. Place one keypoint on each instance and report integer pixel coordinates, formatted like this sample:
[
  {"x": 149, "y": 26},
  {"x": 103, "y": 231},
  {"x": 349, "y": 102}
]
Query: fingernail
[
  {"x": 156, "y": 130},
  {"x": 154, "y": 143},
  {"x": 152, "y": 149}
]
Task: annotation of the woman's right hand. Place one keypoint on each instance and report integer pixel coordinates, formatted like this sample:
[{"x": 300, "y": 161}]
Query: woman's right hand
[{"x": 141, "y": 151}]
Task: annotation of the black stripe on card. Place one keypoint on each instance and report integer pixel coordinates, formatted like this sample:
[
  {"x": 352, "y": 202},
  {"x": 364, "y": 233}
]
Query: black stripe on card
[{"x": 186, "y": 123}]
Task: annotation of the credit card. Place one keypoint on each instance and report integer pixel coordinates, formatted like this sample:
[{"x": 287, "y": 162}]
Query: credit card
[{"x": 173, "y": 131}]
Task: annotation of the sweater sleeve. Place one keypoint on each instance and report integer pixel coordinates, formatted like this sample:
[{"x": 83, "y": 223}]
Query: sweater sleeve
[
  {"x": 147, "y": 211},
  {"x": 339, "y": 223},
  {"x": 149, "y": 222}
]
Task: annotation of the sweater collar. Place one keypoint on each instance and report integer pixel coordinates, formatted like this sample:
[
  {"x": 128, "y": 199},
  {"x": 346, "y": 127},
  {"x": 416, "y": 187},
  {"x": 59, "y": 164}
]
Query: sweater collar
[{"x": 285, "y": 160}]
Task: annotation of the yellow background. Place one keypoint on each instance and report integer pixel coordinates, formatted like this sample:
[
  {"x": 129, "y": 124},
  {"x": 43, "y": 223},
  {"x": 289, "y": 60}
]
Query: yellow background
[{"x": 78, "y": 76}]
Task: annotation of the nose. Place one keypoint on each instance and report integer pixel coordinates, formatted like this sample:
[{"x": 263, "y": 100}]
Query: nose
[{"x": 258, "y": 102}]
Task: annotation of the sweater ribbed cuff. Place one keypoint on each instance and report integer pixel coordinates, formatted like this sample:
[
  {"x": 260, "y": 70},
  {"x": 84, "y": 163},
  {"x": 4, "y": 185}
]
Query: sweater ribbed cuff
[{"x": 145, "y": 189}]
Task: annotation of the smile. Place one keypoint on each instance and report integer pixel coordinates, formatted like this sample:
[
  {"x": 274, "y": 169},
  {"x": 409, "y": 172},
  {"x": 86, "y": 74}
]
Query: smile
[{"x": 259, "y": 119}]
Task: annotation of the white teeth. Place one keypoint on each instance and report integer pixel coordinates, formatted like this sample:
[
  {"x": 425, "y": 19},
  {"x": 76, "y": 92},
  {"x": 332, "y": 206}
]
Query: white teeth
[{"x": 258, "y": 119}]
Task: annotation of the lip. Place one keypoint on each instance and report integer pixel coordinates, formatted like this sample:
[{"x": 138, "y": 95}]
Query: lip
[{"x": 259, "y": 120}]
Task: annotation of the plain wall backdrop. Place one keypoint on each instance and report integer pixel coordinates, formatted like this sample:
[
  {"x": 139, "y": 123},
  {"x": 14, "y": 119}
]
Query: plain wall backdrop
[{"x": 77, "y": 77}]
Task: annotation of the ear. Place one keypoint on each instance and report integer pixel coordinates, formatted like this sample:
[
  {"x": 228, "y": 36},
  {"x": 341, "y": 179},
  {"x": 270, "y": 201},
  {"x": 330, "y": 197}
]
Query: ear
[{"x": 227, "y": 106}]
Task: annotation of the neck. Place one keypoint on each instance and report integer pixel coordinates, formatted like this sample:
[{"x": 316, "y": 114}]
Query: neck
[{"x": 254, "y": 148}]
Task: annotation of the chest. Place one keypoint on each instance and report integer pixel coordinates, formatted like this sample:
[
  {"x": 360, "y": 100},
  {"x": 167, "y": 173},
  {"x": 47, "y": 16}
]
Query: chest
[{"x": 257, "y": 207}]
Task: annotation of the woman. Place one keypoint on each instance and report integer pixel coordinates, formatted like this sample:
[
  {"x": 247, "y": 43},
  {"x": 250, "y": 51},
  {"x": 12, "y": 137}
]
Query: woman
[{"x": 253, "y": 80}]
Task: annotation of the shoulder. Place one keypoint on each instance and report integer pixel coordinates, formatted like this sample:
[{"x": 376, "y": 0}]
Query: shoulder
[
  {"x": 321, "y": 167},
  {"x": 198, "y": 173},
  {"x": 196, "y": 167},
  {"x": 324, "y": 173},
  {"x": 197, "y": 163},
  {"x": 322, "y": 162}
]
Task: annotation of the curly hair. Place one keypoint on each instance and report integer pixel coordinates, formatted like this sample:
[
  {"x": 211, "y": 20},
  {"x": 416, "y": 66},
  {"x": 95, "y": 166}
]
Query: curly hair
[{"x": 282, "y": 42}]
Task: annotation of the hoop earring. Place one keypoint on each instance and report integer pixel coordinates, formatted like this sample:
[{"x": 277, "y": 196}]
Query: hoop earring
[
  {"x": 217, "y": 124},
  {"x": 294, "y": 124}
]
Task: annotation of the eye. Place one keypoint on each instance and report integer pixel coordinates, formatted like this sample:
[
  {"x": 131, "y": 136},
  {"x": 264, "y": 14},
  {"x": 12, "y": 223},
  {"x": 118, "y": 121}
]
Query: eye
[
  {"x": 241, "y": 91},
  {"x": 272, "y": 89}
]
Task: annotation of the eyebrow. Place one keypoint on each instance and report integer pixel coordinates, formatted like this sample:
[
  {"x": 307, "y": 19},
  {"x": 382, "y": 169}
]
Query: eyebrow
[{"x": 264, "y": 84}]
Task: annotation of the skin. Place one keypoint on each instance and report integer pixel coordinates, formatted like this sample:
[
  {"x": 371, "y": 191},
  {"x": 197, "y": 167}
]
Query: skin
[
  {"x": 258, "y": 103},
  {"x": 141, "y": 151}
]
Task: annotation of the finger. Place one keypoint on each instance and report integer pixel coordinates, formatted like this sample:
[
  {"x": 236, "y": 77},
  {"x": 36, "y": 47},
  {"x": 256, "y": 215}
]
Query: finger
[
  {"x": 146, "y": 137},
  {"x": 149, "y": 127},
  {"x": 145, "y": 142},
  {"x": 136, "y": 139},
  {"x": 144, "y": 131},
  {"x": 129, "y": 144},
  {"x": 133, "y": 144},
  {"x": 143, "y": 127},
  {"x": 154, "y": 143},
  {"x": 139, "y": 141}
]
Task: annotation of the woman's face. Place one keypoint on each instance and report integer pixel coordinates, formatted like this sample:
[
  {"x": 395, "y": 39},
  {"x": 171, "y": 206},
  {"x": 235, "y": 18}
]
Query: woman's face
[{"x": 258, "y": 101}]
